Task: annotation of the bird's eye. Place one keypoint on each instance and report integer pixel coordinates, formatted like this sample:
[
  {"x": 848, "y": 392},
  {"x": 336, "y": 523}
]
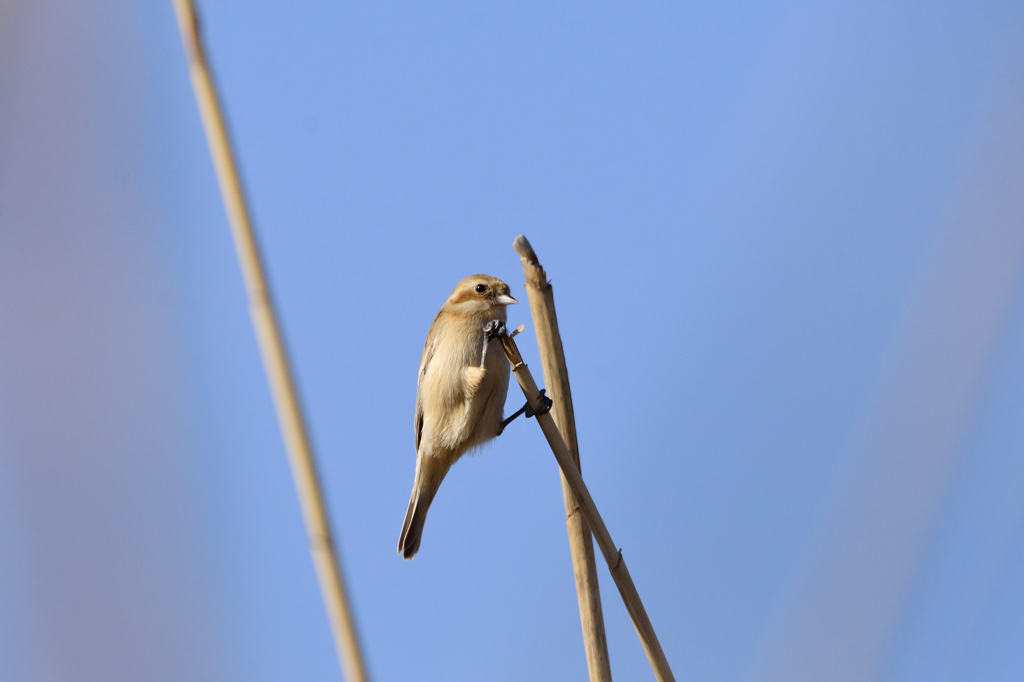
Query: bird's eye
[{"x": 481, "y": 288}]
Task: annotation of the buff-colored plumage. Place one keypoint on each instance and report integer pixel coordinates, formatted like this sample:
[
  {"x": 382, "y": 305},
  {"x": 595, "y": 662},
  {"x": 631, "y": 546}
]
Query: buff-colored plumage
[{"x": 460, "y": 395}]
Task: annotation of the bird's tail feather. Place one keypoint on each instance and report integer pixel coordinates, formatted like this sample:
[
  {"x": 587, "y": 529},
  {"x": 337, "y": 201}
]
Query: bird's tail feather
[{"x": 422, "y": 495}]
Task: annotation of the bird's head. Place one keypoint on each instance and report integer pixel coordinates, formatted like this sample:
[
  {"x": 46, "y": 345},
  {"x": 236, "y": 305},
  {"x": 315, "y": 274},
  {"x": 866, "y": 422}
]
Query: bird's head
[{"x": 481, "y": 296}]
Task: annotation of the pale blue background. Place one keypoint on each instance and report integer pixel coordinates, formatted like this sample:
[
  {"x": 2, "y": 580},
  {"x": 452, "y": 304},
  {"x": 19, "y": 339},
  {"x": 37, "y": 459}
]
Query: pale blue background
[{"x": 735, "y": 202}]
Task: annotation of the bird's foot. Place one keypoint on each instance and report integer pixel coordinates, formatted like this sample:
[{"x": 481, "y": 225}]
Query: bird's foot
[
  {"x": 543, "y": 408},
  {"x": 494, "y": 329}
]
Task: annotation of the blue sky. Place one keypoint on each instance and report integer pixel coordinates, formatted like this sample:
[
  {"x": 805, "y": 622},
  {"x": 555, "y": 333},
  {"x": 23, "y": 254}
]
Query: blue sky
[{"x": 758, "y": 219}]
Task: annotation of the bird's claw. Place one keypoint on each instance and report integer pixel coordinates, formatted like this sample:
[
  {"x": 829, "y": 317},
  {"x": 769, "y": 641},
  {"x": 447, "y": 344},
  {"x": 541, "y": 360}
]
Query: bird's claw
[
  {"x": 543, "y": 408},
  {"x": 494, "y": 329}
]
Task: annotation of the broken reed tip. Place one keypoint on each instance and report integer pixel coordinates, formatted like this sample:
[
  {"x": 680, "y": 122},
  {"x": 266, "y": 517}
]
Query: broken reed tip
[
  {"x": 523, "y": 248},
  {"x": 535, "y": 275}
]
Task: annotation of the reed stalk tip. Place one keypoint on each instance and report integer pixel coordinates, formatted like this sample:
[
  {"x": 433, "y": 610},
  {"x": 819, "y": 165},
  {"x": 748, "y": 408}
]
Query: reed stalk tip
[{"x": 525, "y": 251}]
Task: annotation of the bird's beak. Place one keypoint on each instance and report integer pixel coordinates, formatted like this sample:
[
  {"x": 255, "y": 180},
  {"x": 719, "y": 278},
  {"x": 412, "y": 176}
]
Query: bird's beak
[{"x": 505, "y": 299}]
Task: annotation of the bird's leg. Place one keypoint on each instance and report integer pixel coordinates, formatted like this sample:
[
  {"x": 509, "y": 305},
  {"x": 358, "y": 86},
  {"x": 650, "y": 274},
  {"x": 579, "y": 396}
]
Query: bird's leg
[
  {"x": 501, "y": 428},
  {"x": 543, "y": 408},
  {"x": 492, "y": 330},
  {"x": 475, "y": 374}
]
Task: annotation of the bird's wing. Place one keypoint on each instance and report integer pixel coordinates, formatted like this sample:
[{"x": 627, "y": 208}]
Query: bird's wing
[{"x": 428, "y": 353}]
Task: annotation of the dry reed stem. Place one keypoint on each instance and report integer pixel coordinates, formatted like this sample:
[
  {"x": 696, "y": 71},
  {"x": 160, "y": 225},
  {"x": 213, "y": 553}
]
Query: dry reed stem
[
  {"x": 616, "y": 564},
  {"x": 556, "y": 378},
  {"x": 275, "y": 359}
]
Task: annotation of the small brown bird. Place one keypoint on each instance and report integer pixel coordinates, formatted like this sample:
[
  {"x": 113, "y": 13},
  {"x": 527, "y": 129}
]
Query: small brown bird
[{"x": 460, "y": 394}]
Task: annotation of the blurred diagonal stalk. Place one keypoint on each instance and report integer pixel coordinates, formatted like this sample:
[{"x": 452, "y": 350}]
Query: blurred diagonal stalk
[
  {"x": 556, "y": 378},
  {"x": 275, "y": 358}
]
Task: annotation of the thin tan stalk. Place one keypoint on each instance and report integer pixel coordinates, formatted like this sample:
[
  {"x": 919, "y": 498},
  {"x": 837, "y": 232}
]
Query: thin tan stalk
[
  {"x": 616, "y": 564},
  {"x": 275, "y": 358},
  {"x": 556, "y": 378}
]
